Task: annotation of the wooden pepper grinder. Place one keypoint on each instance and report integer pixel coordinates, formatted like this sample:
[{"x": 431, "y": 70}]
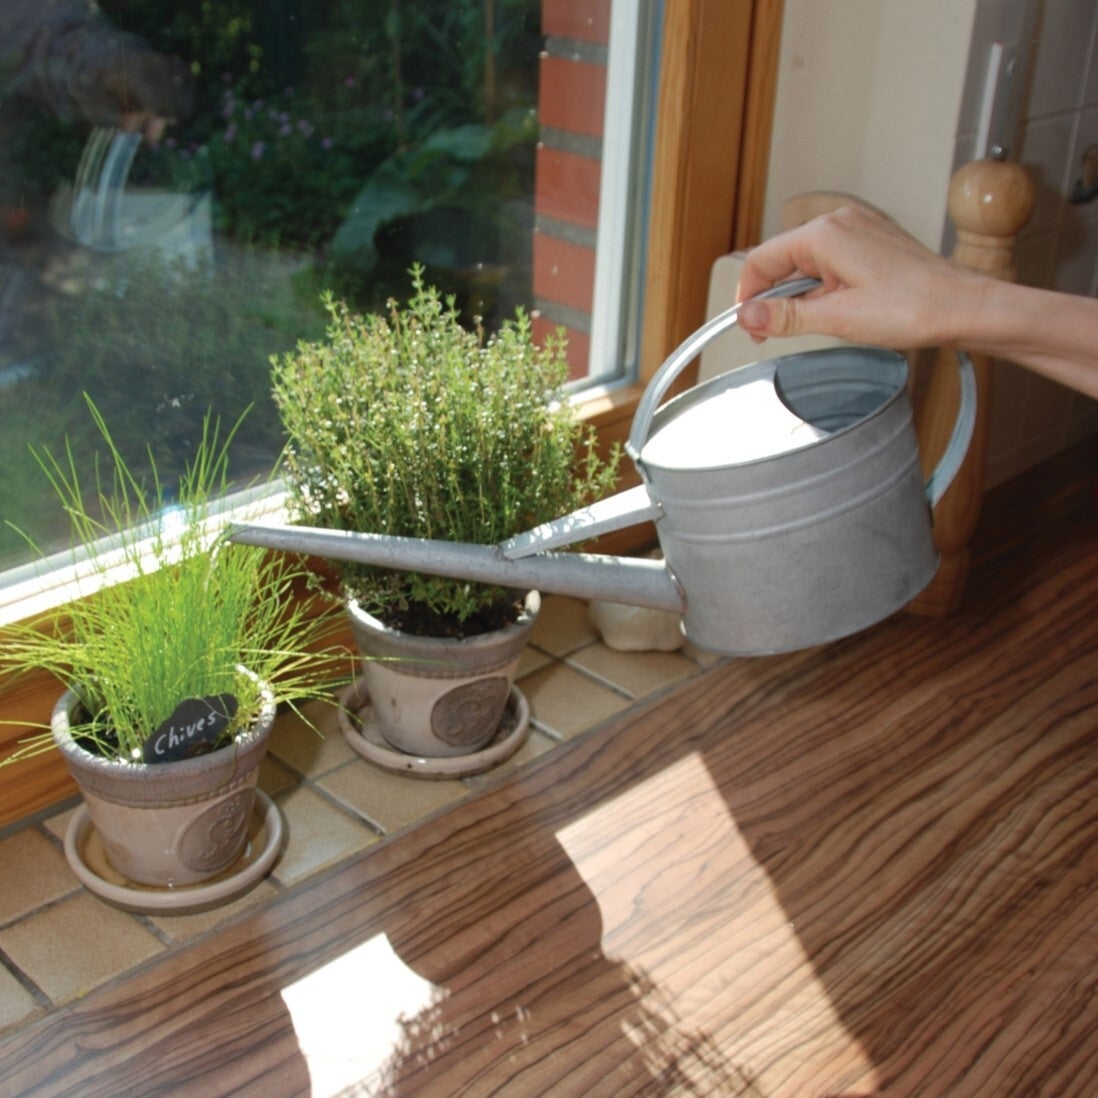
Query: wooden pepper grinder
[{"x": 989, "y": 202}]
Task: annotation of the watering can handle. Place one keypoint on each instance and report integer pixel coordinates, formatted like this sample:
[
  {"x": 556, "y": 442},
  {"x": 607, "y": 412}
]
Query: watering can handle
[
  {"x": 691, "y": 347},
  {"x": 950, "y": 462},
  {"x": 688, "y": 350}
]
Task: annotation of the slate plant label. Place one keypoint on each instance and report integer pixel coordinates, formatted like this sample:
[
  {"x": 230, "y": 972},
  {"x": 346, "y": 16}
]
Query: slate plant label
[{"x": 193, "y": 729}]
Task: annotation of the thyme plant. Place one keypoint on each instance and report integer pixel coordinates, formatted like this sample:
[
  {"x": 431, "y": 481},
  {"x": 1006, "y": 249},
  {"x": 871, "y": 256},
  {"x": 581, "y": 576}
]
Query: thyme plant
[
  {"x": 198, "y": 616},
  {"x": 408, "y": 423}
]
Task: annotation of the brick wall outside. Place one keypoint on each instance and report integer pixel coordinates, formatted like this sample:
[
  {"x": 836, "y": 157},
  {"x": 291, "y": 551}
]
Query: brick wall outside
[{"x": 571, "y": 102}]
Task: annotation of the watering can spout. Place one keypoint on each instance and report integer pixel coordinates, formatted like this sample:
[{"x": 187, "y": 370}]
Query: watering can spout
[{"x": 634, "y": 581}]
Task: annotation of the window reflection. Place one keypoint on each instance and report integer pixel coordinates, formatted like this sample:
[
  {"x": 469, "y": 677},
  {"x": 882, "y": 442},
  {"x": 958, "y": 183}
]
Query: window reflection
[{"x": 178, "y": 185}]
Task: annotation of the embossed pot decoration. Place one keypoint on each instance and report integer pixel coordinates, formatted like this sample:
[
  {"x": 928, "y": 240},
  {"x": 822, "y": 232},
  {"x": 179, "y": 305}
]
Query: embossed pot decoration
[
  {"x": 437, "y": 697},
  {"x": 168, "y": 824}
]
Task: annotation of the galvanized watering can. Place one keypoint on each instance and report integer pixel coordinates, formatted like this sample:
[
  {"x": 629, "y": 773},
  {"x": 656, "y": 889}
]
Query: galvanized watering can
[{"x": 787, "y": 497}]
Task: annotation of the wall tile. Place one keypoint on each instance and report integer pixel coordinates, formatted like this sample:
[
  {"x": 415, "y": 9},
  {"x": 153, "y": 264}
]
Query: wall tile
[
  {"x": 1084, "y": 417},
  {"x": 1046, "y": 146},
  {"x": 1090, "y": 87},
  {"x": 1076, "y": 247},
  {"x": 1064, "y": 36},
  {"x": 1035, "y": 256},
  {"x": 1009, "y": 417},
  {"x": 1084, "y": 137}
]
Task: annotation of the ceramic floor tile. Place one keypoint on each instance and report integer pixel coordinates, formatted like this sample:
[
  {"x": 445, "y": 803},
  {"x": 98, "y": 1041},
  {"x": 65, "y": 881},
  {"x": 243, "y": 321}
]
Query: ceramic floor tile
[
  {"x": 17, "y": 1005},
  {"x": 76, "y": 945},
  {"x": 637, "y": 673},
  {"x": 34, "y": 872},
  {"x": 58, "y": 824},
  {"x": 276, "y": 777},
  {"x": 310, "y": 750},
  {"x": 531, "y": 659},
  {"x": 562, "y": 626},
  {"x": 568, "y": 702},
  {"x": 537, "y": 743},
  {"x": 391, "y": 801},
  {"x": 182, "y": 928},
  {"x": 317, "y": 835}
]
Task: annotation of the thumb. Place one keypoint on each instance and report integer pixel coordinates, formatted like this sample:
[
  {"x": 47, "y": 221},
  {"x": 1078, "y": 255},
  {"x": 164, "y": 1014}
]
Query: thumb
[{"x": 777, "y": 317}]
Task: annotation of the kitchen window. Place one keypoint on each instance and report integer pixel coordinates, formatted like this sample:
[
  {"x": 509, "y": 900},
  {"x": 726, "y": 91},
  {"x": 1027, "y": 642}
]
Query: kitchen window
[
  {"x": 309, "y": 148},
  {"x": 687, "y": 89}
]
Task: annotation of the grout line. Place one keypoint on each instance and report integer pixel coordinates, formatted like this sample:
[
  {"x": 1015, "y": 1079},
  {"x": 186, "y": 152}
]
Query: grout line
[
  {"x": 161, "y": 936},
  {"x": 335, "y": 802},
  {"x": 617, "y": 688},
  {"x": 592, "y": 676},
  {"x": 547, "y": 730}
]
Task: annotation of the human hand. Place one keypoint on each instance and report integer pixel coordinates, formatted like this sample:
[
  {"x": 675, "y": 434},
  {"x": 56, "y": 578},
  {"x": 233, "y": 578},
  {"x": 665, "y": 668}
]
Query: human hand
[{"x": 880, "y": 285}]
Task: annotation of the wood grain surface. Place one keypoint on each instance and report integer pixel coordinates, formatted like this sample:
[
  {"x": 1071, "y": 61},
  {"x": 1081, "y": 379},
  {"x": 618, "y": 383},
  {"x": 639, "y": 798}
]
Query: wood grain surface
[{"x": 865, "y": 869}]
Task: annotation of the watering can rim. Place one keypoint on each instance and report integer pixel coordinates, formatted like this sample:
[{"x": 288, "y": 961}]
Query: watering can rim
[{"x": 764, "y": 368}]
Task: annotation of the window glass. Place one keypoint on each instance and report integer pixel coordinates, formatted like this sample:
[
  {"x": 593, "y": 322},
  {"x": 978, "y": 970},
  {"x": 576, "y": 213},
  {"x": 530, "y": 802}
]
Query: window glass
[{"x": 180, "y": 183}]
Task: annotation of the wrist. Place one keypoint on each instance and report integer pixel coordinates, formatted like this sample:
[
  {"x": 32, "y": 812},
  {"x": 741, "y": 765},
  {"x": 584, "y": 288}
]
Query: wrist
[{"x": 967, "y": 307}]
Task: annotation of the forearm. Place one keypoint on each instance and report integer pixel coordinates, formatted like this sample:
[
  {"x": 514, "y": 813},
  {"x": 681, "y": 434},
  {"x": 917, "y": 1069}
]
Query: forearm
[{"x": 1053, "y": 334}]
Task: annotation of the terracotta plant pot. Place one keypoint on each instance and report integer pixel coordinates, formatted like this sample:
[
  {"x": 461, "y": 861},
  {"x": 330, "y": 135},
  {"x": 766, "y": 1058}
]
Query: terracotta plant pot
[
  {"x": 168, "y": 824},
  {"x": 437, "y": 697}
]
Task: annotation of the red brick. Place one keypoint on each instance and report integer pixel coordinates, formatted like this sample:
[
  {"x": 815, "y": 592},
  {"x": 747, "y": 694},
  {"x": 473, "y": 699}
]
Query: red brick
[
  {"x": 567, "y": 187},
  {"x": 572, "y": 95},
  {"x": 587, "y": 20},
  {"x": 564, "y": 272}
]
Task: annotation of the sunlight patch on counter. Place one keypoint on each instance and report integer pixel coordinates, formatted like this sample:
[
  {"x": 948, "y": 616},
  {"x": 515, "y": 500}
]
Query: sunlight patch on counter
[
  {"x": 352, "y": 1016},
  {"x": 728, "y": 991}
]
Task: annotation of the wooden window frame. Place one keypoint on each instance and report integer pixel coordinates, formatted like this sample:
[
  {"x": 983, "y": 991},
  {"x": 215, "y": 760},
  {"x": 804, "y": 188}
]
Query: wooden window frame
[
  {"x": 715, "y": 110},
  {"x": 714, "y": 114}
]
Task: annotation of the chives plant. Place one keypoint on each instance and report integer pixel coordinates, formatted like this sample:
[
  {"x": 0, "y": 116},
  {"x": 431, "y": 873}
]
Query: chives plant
[{"x": 198, "y": 616}]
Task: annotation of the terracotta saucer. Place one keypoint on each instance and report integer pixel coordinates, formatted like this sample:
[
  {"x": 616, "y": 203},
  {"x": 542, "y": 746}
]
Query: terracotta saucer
[
  {"x": 86, "y": 857},
  {"x": 362, "y": 733}
]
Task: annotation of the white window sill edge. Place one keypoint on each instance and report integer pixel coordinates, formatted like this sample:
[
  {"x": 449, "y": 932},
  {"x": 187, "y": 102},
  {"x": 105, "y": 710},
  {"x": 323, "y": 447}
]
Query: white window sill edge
[{"x": 45, "y": 584}]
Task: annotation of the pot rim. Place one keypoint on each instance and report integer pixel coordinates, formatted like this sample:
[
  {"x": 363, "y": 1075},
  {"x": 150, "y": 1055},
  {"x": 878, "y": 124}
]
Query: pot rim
[
  {"x": 522, "y": 624},
  {"x": 220, "y": 766},
  {"x": 409, "y": 653}
]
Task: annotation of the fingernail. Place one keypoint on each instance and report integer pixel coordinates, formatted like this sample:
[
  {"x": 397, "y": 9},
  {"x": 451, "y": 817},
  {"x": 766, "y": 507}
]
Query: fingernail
[{"x": 755, "y": 314}]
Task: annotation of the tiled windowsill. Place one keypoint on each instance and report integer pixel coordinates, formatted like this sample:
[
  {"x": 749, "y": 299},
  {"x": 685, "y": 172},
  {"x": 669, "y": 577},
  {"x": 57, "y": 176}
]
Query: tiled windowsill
[{"x": 58, "y": 941}]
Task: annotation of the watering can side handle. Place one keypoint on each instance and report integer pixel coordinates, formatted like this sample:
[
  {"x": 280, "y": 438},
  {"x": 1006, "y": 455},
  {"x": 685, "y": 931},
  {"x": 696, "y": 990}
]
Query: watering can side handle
[
  {"x": 954, "y": 454},
  {"x": 616, "y": 512},
  {"x": 688, "y": 350}
]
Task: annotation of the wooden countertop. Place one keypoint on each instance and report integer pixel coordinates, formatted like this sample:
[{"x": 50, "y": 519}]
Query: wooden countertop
[{"x": 870, "y": 868}]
